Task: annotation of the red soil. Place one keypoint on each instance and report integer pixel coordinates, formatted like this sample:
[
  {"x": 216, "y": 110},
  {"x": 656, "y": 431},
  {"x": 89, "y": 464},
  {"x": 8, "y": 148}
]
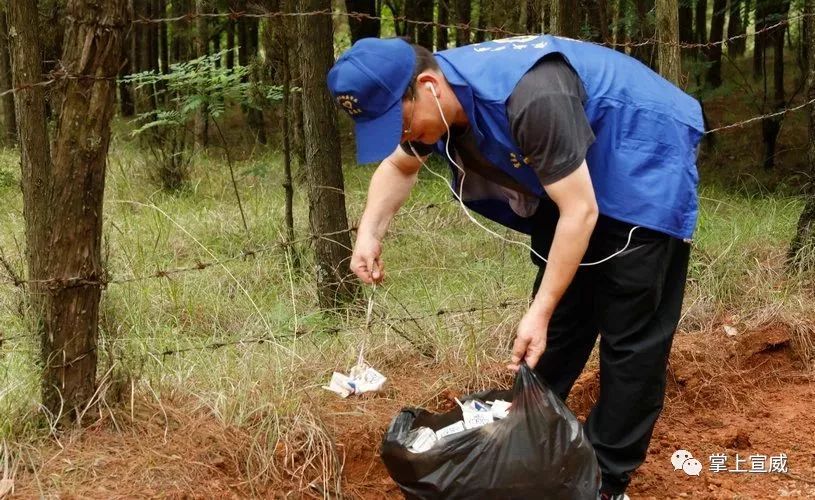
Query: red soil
[{"x": 748, "y": 395}]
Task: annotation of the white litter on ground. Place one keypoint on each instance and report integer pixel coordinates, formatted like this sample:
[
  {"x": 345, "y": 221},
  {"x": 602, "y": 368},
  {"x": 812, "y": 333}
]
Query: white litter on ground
[{"x": 363, "y": 378}]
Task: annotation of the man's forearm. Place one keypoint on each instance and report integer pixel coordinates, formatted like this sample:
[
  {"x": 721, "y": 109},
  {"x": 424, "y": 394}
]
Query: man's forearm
[
  {"x": 568, "y": 247},
  {"x": 389, "y": 189}
]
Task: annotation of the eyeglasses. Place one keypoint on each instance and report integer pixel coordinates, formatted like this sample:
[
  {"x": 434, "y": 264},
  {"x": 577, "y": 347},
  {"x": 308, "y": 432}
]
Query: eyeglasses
[{"x": 412, "y": 112}]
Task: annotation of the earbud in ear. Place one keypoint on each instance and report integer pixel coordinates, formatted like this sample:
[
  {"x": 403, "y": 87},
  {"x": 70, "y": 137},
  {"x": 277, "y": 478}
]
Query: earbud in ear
[{"x": 429, "y": 86}]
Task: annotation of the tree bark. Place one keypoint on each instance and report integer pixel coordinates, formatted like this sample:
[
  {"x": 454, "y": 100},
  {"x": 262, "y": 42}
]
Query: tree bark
[
  {"x": 442, "y": 34},
  {"x": 363, "y": 27},
  {"x": 63, "y": 192},
  {"x": 760, "y": 39},
  {"x": 714, "y": 52},
  {"x": 645, "y": 31},
  {"x": 420, "y": 33},
  {"x": 802, "y": 249},
  {"x": 461, "y": 11},
  {"x": 701, "y": 21},
  {"x": 735, "y": 27},
  {"x": 772, "y": 126},
  {"x": 254, "y": 116},
  {"x": 163, "y": 38},
  {"x": 686, "y": 22},
  {"x": 126, "y": 103},
  {"x": 181, "y": 45},
  {"x": 230, "y": 43},
  {"x": 201, "y": 49},
  {"x": 327, "y": 213},
  {"x": 668, "y": 36},
  {"x": 7, "y": 102},
  {"x": 565, "y": 18}
]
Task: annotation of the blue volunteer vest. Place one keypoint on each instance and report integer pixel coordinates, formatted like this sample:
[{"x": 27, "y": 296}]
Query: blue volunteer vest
[{"x": 643, "y": 161}]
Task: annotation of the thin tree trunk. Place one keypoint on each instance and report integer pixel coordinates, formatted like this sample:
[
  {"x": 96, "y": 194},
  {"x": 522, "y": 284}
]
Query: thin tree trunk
[
  {"x": 181, "y": 44},
  {"x": 802, "y": 249},
  {"x": 621, "y": 36},
  {"x": 686, "y": 23},
  {"x": 645, "y": 31},
  {"x": 668, "y": 36},
  {"x": 714, "y": 52},
  {"x": 127, "y": 106},
  {"x": 63, "y": 192},
  {"x": 442, "y": 35},
  {"x": 163, "y": 37},
  {"x": 484, "y": 9},
  {"x": 201, "y": 46},
  {"x": 420, "y": 33},
  {"x": 327, "y": 213},
  {"x": 701, "y": 21},
  {"x": 9, "y": 120},
  {"x": 254, "y": 116},
  {"x": 772, "y": 126},
  {"x": 760, "y": 39},
  {"x": 565, "y": 18},
  {"x": 735, "y": 27},
  {"x": 363, "y": 27},
  {"x": 230, "y": 43},
  {"x": 462, "y": 16}
]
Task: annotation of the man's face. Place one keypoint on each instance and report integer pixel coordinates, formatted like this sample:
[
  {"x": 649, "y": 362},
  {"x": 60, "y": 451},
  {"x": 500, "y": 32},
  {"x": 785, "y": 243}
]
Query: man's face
[{"x": 421, "y": 118}]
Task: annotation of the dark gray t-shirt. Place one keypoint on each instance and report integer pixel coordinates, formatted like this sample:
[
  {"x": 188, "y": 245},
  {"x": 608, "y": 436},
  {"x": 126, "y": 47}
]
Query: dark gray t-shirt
[{"x": 547, "y": 121}]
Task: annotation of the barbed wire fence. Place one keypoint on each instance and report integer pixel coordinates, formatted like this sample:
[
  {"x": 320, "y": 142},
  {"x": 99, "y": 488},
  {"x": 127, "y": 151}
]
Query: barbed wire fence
[{"x": 10, "y": 276}]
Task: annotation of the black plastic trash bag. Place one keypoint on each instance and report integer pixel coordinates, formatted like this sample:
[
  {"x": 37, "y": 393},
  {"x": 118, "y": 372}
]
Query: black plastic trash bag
[{"x": 538, "y": 451}]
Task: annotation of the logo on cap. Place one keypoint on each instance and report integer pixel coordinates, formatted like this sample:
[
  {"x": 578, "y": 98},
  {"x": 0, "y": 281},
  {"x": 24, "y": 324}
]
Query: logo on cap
[{"x": 349, "y": 103}]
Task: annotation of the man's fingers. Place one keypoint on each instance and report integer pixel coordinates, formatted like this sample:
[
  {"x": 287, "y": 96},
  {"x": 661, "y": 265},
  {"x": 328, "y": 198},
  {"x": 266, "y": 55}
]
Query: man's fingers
[
  {"x": 519, "y": 350},
  {"x": 534, "y": 353}
]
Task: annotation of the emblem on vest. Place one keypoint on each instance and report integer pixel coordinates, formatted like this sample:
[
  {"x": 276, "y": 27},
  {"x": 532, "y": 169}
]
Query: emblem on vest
[
  {"x": 517, "y": 160},
  {"x": 350, "y": 104}
]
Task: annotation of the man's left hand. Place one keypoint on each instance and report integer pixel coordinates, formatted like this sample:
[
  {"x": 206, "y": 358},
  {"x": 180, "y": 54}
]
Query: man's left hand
[{"x": 530, "y": 341}]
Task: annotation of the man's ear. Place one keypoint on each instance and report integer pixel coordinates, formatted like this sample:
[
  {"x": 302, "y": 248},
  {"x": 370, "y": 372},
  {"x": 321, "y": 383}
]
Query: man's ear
[{"x": 429, "y": 82}]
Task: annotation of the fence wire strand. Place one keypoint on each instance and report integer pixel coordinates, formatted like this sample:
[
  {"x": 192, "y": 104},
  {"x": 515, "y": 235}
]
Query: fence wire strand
[{"x": 9, "y": 276}]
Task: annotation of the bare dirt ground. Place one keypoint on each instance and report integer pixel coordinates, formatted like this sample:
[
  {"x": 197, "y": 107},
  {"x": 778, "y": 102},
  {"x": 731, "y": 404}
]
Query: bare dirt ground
[{"x": 744, "y": 395}]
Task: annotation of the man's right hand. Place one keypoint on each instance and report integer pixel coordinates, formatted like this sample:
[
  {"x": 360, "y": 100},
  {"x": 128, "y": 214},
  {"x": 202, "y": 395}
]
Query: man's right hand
[{"x": 366, "y": 261}]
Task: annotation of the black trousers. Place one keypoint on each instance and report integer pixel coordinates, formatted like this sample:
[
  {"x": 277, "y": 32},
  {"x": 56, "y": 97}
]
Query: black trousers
[{"x": 633, "y": 302}]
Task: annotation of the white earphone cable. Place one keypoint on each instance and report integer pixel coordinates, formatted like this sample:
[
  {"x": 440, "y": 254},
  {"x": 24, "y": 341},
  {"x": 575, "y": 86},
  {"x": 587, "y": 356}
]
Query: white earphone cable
[{"x": 459, "y": 195}]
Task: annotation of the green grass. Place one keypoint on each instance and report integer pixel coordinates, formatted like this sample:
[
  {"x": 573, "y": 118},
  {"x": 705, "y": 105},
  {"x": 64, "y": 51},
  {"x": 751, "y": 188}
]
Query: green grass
[{"x": 436, "y": 259}]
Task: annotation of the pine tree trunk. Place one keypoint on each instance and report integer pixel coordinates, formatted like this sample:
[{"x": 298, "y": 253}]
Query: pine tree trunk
[
  {"x": 645, "y": 31},
  {"x": 686, "y": 22},
  {"x": 621, "y": 35},
  {"x": 127, "y": 106},
  {"x": 668, "y": 36},
  {"x": 462, "y": 16},
  {"x": 714, "y": 52},
  {"x": 760, "y": 39},
  {"x": 772, "y": 126},
  {"x": 230, "y": 43},
  {"x": 565, "y": 18},
  {"x": 442, "y": 35},
  {"x": 327, "y": 213},
  {"x": 9, "y": 135},
  {"x": 182, "y": 32},
  {"x": 420, "y": 33},
  {"x": 201, "y": 49},
  {"x": 802, "y": 248},
  {"x": 735, "y": 27},
  {"x": 701, "y": 22},
  {"x": 63, "y": 192},
  {"x": 254, "y": 116},
  {"x": 363, "y": 27},
  {"x": 163, "y": 38}
]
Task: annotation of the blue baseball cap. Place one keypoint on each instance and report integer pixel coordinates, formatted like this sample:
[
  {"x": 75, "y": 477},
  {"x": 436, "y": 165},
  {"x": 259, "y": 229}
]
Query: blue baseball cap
[{"x": 368, "y": 81}]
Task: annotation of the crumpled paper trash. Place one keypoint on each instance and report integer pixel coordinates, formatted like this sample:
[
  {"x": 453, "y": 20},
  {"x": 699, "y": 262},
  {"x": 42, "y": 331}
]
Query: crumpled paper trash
[{"x": 362, "y": 378}]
